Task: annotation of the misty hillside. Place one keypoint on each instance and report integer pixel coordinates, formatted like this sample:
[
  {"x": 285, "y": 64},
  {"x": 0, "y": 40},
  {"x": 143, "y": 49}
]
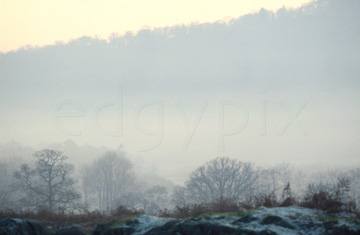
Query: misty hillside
[
  {"x": 157, "y": 92},
  {"x": 316, "y": 45}
]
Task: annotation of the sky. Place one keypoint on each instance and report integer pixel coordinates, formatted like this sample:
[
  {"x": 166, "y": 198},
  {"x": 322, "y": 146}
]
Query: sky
[
  {"x": 43, "y": 22},
  {"x": 266, "y": 87}
]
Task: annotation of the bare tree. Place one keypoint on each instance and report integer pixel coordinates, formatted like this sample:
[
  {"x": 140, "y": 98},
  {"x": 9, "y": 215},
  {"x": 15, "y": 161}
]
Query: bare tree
[
  {"x": 154, "y": 199},
  {"x": 300, "y": 180},
  {"x": 268, "y": 181},
  {"x": 285, "y": 173},
  {"x": 8, "y": 192},
  {"x": 132, "y": 200},
  {"x": 354, "y": 176},
  {"x": 5, "y": 190},
  {"x": 274, "y": 179},
  {"x": 50, "y": 182},
  {"x": 222, "y": 178},
  {"x": 179, "y": 196},
  {"x": 85, "y": 183},
  {"x": 110, "y": 177}
]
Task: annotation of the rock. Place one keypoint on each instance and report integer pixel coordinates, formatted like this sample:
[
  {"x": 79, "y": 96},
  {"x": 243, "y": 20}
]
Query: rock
[
  {"x": 70, "y": 231},
  {"x": 168, "y": 228},
  {"x": 333, "y": 227},
  {"x": 276, "y": 220},
  {"x": 250, "y": 232},
  {"x": 106, "y": 230},
  {"x": 191, "y": 228},
  {"x": 344, "y": 230},
  {"x": 22, "y": 227},
  {"x": 115, "y": 228},
  {"x": 246, "y": 219},
  {"x": 262, "y": 221}
]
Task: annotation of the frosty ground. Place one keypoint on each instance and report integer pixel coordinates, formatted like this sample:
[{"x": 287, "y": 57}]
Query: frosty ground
[{"x": 280, "y": 220}]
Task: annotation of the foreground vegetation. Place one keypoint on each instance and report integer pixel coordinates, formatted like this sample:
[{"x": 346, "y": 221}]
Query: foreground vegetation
[{"x": 88, "y": 220}]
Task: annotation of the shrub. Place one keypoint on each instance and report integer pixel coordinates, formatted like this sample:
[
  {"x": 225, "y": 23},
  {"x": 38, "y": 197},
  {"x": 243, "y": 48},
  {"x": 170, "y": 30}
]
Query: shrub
[
  {"x": 287, "y": 197},
  {"x": 182, "y": 212},
  {"x": 267, "y": 200},
  {"x": 224, "y": 205},
  {"x": 322, "y": 200},
  {"x": 289, "y": 201},
  {"x": 165, "y": 213},
  {"x": 337, "y": 200}
]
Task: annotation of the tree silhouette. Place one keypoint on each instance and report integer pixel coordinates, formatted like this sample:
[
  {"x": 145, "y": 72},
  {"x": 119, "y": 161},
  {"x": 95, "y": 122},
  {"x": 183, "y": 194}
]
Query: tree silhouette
[
  {"x": 222, "y": 178},
  {"x": 49, "y": 183}
]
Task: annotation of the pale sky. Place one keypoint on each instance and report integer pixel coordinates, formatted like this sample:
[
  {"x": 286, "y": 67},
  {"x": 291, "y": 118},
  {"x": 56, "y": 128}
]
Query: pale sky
[{"x": 43, "y": 22}]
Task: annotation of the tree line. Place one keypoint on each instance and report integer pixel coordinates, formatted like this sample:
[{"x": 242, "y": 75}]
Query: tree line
[{"x": 110, "y": 182}]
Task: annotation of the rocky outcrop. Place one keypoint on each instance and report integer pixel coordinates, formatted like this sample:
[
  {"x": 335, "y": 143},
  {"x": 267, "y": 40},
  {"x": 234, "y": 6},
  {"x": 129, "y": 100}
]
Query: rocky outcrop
[
  {"x": 15, "y": 226},
  {"x": 277, "y": 221},
  {"x": 22, "y": 227},
  {"x": 70, "y": 231},
  {"x": 262, "y": 221},
  {"x": 188, "y": 227},
  {"x": 111, "y": 230},
  {"x": 271, "y": 221}
]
